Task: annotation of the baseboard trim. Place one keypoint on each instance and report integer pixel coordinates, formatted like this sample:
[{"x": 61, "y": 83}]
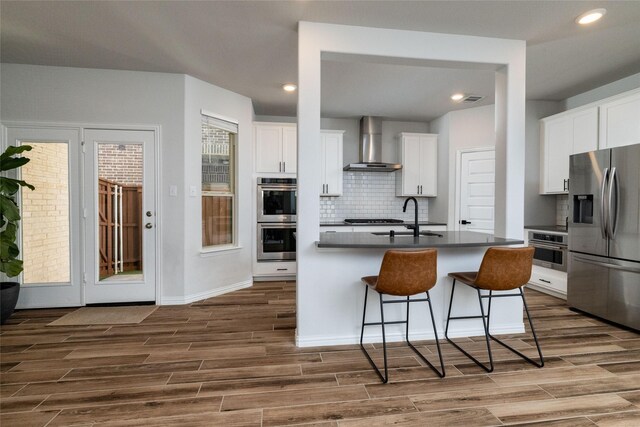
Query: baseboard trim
[
  {"x": 188, "y": 299},
  {"x": 320, "y": 341}
]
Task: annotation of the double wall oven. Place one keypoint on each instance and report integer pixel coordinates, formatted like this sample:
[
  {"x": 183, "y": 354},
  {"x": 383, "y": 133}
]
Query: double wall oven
[{"x": 277, "y": 198}]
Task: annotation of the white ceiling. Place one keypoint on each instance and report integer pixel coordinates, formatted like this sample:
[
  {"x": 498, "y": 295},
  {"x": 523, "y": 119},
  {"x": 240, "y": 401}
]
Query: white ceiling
[{"x": 250, "y": 47}]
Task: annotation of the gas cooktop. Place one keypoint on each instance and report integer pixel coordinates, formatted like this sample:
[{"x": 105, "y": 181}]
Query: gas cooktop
[{"x": 373, "y": 221}]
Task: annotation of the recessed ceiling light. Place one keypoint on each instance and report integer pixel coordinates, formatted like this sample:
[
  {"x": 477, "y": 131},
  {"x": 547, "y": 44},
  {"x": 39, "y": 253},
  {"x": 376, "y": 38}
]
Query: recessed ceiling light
[
  {"x": 591, "y": 16},
  {"x": 289, "y": 87},
  {"x": 457, "y": 96}
]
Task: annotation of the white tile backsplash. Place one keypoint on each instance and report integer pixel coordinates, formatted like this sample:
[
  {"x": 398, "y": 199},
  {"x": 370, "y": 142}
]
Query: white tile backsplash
[
  {"x": 562, "y": 209},
  {"x": 369, "y": 195}
]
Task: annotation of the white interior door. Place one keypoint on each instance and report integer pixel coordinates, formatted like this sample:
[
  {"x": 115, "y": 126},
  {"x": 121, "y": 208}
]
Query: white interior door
[
  {"x": 476, "y": 191},
  {"x": 49, "y": 232},
  {"x": 120, "y": 211}
]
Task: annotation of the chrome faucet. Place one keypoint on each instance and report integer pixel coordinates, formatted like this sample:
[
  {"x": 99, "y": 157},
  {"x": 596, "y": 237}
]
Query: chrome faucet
[{"x": 414, "y": 227}]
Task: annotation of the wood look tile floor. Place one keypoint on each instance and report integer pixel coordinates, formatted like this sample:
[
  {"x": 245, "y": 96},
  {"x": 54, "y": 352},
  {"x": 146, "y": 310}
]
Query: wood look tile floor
[{"x": 232, "y": 361}]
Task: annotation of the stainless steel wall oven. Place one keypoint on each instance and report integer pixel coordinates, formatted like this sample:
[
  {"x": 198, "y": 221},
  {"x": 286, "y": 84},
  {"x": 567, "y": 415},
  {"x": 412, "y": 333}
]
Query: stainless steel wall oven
[
  {"x": 550, "y": 250},
  {"x": 276, "y": 229},
  {"x": 277, "y": 199}
]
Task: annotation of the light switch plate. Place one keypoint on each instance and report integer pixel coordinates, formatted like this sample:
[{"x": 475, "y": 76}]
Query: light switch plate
[
  {"x": 193, "y": 191},
  {"x": 173, "y": 190}
]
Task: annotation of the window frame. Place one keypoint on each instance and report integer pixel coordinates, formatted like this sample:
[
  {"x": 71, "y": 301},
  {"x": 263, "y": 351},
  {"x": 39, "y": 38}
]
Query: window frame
[{"x": 227, "y": 125}]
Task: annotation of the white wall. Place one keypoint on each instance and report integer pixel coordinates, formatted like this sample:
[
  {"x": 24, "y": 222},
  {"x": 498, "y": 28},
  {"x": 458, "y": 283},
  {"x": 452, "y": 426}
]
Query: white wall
[
  {"x": 90, "y": 96},
  {"x": 213, "y": 273},
  {"x": 605, "y": 91}
]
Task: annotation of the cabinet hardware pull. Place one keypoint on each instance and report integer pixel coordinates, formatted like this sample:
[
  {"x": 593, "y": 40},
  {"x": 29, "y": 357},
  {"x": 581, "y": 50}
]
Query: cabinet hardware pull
[
  {"x": 545, "y": 281},
  {"x": 281, "y": 269},
  {"x": 284, "y": 166}
]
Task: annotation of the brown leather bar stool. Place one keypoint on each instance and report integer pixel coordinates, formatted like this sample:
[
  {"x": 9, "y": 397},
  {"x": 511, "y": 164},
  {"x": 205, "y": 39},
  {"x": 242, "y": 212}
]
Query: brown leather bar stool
[
  {"x": 402, "y": 273},
  {"x": 502, "y": 269}
]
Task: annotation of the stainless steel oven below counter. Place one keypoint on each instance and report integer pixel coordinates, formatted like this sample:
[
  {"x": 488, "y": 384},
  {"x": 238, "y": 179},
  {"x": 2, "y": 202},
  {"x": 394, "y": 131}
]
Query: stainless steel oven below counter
[
  {"x": 276, "y": 241},
  {"x": 550, "y": 250}
]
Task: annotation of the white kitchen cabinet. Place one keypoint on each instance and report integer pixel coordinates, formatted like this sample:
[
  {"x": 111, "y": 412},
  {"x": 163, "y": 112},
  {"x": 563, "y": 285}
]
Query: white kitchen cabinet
[
  {"x": 620, "y": 121},
  {"x": 564, "y": 134},
  {"x": 418, "y": 153},
  {"x": 331, "y": 162},
  {"x": 275, "y": 147}
]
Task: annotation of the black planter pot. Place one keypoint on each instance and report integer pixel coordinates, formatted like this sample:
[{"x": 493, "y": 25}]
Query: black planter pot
[{"x": 9, "y": 292}]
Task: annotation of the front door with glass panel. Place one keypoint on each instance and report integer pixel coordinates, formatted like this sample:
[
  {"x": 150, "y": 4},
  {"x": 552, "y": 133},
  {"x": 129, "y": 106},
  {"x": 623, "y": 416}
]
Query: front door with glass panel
[
  {"x": 50, "y": 228},
  {"x": 119, "y": 194}
]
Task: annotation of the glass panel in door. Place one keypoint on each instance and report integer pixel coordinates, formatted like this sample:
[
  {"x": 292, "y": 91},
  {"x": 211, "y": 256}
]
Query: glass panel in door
[
  {"x": 120, "y": 191},
  {"x": 49, "y": 231}
]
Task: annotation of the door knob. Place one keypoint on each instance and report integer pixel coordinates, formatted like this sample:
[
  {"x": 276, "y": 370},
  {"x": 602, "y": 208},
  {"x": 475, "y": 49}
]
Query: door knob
[
  {"x": 148, "y": 225},
  {"x": 464, "y": 221}
]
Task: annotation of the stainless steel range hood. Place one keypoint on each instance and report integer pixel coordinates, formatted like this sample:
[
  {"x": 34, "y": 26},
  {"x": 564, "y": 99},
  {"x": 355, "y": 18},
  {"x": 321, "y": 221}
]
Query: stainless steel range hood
[{"x": 370, "y": 152}]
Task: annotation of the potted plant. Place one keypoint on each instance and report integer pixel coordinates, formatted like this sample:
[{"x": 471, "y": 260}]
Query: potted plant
[{"x": 10, "y": 265}]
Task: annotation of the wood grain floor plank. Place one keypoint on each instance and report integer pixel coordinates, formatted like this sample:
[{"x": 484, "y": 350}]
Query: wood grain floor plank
[
  {"x": 137, "y": 411},
  {"x": 7, "y": 390},
  {"x": 622, "y": 368},
  {"x": 261, "y": 361},
  {"x": 622, "y": 419},
  {"x": 249, "y": 418},
  {"x": 434, "y": 385},
  {"x": 570, "y": 373},
  {"x": 33, "y": 376},
  {"x": 478, "y": 397},
  {"x": 356, "y": 365},
  {"x": 512, "y": 365},
  {"x": 608, "y": 357},
  {"x": 229, "y": 388},
  {"x": 305, "y": 414},
  {"x": 593, "y": 386},
  {"x": 558, "y": 408},
  {"x": 42, "y": 365},
  {"x": 124, "y": 395},
  {"x": 455, "y": 417},
  {"x": 217, "y": 353},
  {"x": 126, "y": 350},
  {"x": 399, "y": 374},
  {"x": 93, "y": 384},
  {"x": 235, "y": 373},
  {"x": 27, "y": 419},
  {"x": 20, "y": 404},
  {"x": 136, "y": 369},
  {"x": 293, "y": 397}
]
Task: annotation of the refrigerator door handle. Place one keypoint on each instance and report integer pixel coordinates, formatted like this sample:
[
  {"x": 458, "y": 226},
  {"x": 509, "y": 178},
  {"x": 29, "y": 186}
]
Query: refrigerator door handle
[
  {"x": 607, "y": 265},
  {"x": 612, "y": 207},
  {"x": 604, "y": 217}
]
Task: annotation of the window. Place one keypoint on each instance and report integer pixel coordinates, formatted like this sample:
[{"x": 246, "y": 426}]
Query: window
[{"x": 218, "y": 182}]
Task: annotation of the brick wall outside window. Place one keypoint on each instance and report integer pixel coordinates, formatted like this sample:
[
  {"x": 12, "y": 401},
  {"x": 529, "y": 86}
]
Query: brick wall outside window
[{"x": 121, "y": 164}]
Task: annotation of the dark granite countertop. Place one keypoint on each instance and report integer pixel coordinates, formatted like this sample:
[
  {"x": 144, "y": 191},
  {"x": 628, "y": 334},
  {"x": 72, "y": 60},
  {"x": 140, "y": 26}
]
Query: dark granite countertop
[
  {"x": 552, "y": 228},
  {"x": 388, "y": 224},
  {"x": 442, "y": 239}
]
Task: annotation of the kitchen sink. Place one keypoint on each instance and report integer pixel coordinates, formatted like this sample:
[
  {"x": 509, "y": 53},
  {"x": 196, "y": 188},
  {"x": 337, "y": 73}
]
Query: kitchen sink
[{"x": 406, "y": 233}]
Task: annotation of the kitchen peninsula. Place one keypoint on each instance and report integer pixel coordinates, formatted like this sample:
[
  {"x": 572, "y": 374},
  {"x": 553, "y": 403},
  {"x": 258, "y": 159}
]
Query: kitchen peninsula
[{"x": 343, "y": 258}]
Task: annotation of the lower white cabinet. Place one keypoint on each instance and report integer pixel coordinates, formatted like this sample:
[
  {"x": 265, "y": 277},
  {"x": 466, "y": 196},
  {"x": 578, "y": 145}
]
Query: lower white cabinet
[
  {"x": 271, "y": 270},
  {"x": 549, "y": 281}
]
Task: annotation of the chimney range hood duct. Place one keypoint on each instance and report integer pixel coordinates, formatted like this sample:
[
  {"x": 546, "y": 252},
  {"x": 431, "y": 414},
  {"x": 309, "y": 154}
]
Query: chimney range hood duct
[{"x": 370, "y": 152}]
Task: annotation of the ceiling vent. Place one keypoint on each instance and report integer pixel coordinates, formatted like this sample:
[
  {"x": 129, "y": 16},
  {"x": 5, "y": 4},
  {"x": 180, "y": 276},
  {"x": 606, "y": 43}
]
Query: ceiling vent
[{"x": 472, "y": 98}]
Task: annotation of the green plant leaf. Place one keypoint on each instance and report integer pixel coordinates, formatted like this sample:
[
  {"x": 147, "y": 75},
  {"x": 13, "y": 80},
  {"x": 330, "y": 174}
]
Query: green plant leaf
[
  {"x": 8, "y": 250},
  {"x": 11, "y": 268},
  {"x": 10, "y": 186},
  {"x": 12, "y": 163},
  {"x": 8, "y": 209},
  {"x": 12, "y": 150},
  {"x": 9, "y": 233}
]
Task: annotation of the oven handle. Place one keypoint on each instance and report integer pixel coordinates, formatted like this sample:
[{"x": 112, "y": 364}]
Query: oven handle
[
  {"x": 276, "y": 187},
  {"x": 555, "y": 248}
]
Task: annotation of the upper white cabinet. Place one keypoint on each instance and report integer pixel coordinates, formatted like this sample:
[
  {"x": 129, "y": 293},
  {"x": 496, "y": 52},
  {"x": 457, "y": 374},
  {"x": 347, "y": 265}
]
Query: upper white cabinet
[
  {"x": 331, "y": 162},
  {"x": 562, "y": 135},
  {"x": 620, "y": 121},
  {"x": 418, "y": 153},
  {"x": 275, "y": 145}
]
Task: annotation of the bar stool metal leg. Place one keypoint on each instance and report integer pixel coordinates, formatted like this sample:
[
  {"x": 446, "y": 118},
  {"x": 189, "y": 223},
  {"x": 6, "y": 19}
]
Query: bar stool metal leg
[
  {"x": 533, "y": 332},
  {"x": 384, "y": 377},
  {"x": 441, "y": 373}
]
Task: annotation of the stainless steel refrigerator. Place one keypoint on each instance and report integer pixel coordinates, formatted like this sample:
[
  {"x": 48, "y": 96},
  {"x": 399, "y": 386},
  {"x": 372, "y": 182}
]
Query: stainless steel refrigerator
[{"x": 604, "y": 234}]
